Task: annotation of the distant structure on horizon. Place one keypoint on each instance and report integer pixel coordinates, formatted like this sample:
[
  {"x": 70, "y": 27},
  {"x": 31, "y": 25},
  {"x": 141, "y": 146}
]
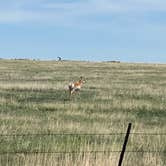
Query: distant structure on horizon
[
  {"x": 21, "y": 59},
  {"x": 59, "y": 58},
  {"x": 114, "y": 61}
]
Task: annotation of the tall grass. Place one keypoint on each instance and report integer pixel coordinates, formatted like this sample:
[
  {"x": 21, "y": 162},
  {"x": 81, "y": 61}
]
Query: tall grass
[{"x": 34, "y": 99}]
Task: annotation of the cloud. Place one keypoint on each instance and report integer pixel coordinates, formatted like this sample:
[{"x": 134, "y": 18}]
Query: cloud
[
  {"x": 65, "y": 12},
  {"x": 109, "y": 6}
]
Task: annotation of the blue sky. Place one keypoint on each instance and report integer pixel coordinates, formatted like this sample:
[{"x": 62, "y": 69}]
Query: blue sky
[{"x": 96, "y": 30}]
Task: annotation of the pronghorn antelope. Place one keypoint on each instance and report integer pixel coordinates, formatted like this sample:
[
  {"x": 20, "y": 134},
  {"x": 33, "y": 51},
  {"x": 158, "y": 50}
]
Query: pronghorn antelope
[{"x": 75, "y": 86}]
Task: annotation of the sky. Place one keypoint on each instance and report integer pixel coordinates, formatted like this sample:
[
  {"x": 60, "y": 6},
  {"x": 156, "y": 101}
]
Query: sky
[{"x": 92, "y": 30}]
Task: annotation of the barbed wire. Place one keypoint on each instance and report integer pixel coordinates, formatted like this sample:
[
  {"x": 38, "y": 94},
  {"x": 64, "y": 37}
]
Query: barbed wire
[
  {"x": 78, "y": 134},
  {"x": 60, "y": 134},
  {"x": 77, "y": 152}
]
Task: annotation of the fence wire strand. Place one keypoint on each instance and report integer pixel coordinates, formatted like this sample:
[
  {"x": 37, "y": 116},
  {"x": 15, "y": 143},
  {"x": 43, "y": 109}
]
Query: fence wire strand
[
  {"x": 77, "y": 152},
  {"x": 79, "y": 134}
]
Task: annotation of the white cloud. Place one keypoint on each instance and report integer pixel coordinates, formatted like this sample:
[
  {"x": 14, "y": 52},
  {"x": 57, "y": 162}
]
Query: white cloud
[
  {"x": 110, "y": 5},
  {"x": 63, "y": 12}
]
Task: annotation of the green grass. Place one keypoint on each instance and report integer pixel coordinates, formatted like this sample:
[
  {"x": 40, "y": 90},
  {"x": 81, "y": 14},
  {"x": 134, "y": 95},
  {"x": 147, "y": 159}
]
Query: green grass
[{"x": 34, "y": 99}]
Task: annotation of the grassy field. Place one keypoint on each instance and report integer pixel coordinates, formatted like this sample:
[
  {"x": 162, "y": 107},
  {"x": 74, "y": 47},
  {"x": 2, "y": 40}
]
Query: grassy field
[{"x": 34, "y": 99}]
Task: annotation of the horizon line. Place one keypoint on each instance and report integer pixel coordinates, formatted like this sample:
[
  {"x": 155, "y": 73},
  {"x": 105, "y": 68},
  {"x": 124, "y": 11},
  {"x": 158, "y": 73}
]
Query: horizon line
[{"x": 76, "y": 60}]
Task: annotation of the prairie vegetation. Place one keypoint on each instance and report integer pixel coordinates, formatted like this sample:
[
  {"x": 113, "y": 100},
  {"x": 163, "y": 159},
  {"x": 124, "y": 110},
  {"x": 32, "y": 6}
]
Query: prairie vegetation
[{"x": 34, "y": 99}]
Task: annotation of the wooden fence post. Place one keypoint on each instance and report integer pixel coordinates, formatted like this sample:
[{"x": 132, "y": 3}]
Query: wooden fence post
[{"x": 124, "y": 145}]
